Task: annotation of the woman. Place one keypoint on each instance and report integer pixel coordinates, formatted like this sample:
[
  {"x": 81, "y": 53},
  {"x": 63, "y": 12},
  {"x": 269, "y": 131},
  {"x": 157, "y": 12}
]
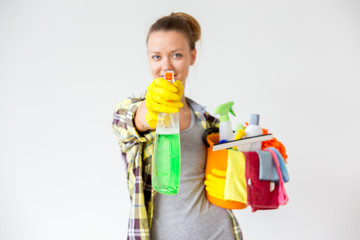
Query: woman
[{"x": 187, "y": 215}]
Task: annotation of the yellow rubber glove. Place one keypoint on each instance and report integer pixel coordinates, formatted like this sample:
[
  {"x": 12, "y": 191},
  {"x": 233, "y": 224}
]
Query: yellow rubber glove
[
  {"x": 162, "y": 96},
  {"x": 215, "y": 183}
]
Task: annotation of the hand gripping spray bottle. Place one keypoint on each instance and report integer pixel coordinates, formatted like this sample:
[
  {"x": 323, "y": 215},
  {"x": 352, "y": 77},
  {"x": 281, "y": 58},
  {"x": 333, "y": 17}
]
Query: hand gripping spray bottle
[
  {"x": 167, "y": 155},
  {"x": 226, "y": 132}
]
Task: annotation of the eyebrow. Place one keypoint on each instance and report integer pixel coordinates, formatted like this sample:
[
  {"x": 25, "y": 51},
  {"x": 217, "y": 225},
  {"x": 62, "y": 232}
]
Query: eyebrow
[
  {"x": 179, "y": 49},
  {"x": 176, "y": 50}
]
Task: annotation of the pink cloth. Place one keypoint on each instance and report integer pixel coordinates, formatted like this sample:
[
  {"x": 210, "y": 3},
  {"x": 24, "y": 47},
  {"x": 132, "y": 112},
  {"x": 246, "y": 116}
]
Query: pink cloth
[
  {"x": 283, "y": 197},
  {"x": 258, "y": 191}
]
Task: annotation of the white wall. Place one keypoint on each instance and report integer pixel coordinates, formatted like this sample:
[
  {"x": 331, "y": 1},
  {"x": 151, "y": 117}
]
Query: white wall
[{"x": 65, "y": 64}]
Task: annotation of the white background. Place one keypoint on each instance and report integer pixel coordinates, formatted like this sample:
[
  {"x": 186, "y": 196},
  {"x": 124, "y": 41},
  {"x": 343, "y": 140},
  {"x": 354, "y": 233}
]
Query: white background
[{"x": 65, "y": 64}]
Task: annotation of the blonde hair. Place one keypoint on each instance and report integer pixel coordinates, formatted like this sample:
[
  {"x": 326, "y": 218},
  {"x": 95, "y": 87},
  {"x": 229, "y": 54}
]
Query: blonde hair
[{"x": 180, "y": 22}]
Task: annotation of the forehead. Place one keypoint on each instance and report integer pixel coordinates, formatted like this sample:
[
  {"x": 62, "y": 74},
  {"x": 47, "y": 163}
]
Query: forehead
[{"x": 167, "y": 40}]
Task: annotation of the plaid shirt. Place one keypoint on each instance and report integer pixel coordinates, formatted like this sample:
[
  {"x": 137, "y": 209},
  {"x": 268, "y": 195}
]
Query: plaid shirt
[{"x": 137, "y": 149}]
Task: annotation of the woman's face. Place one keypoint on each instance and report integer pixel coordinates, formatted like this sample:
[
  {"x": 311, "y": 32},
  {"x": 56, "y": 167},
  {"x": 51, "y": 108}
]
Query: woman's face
[{"x": 170, "y": 50}]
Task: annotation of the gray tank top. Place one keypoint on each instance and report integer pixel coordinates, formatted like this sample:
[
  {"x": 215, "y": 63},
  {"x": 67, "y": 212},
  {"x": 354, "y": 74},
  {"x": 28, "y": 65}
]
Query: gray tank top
[{"x": 189, "y": 215}]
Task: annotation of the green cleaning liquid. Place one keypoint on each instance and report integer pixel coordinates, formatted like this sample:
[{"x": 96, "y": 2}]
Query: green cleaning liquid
[
  {"x": 166, "y": 163},
  {"x": 166, "y": 159}
]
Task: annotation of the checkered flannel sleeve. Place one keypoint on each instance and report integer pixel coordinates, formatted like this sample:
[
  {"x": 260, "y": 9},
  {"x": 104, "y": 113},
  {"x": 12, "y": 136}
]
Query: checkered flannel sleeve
[{"x": 135, "y": 150}]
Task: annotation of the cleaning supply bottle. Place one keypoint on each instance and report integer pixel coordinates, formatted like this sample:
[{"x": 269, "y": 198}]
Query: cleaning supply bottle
[
  {"x": 167, "y": 154},
  {"x": 239, "y": 133},
  {"x": 226, "y": 132},
  {"x": 253, "y": 129}
]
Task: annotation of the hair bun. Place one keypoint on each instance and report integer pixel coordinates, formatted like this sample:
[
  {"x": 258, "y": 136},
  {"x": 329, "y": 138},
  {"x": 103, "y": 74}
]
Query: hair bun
[
  {"x": 194, "y": 24},
  {"x": 181, "y": 22}
]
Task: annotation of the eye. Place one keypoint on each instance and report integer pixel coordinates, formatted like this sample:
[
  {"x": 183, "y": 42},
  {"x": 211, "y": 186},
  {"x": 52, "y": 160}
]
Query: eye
[
  {"x": 155, "y": 57},
  {"x": 177, "y": 55}
]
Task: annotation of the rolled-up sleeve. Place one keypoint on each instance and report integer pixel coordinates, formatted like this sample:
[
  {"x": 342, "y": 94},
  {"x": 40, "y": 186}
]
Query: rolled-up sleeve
[{"x": 129, "y": 139}]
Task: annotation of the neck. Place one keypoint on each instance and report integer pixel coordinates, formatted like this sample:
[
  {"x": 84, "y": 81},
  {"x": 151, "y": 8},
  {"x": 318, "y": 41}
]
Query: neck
[
  {"x": 186, "y": 106},
  {"x": 185, "y": 115}
]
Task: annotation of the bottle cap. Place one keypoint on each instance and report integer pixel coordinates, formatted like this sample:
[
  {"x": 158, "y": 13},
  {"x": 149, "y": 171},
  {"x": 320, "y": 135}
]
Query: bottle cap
[
  {"x": 224, "y": 110},
  {"x": 254, "y": 119}
]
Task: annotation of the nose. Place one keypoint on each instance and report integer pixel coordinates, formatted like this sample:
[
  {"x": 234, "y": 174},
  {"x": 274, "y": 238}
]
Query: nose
[{"x": 167, "y": 64}]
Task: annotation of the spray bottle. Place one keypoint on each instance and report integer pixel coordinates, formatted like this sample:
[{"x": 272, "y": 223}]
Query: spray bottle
[
  {"x": 167, "y": 155},
  {"x": 226, "y": 132},
  {"x": 239, "y": 134}
]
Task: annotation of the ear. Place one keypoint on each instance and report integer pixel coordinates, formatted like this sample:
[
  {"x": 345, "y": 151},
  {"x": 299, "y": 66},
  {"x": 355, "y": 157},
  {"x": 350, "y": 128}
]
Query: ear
[{"x": 193, "y": 57}]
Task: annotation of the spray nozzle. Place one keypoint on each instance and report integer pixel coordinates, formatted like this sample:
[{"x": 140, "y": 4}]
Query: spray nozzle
[
  {"x": 223, "y": 110},
  {"x": 169, "y": 76}
]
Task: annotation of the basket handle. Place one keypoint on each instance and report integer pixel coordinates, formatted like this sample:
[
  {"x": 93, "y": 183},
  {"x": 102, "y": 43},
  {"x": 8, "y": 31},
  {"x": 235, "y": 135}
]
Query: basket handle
[{"x": 207, "y": 133}]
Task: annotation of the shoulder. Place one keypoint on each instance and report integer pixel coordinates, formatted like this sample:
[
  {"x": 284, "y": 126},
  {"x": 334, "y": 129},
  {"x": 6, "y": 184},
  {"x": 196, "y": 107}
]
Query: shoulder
[{"x": 207, "y": 120}]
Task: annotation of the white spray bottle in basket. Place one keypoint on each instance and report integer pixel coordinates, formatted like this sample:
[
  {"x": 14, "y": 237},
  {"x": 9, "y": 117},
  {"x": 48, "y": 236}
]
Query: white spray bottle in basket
[{"x": 253, "y": 129}]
